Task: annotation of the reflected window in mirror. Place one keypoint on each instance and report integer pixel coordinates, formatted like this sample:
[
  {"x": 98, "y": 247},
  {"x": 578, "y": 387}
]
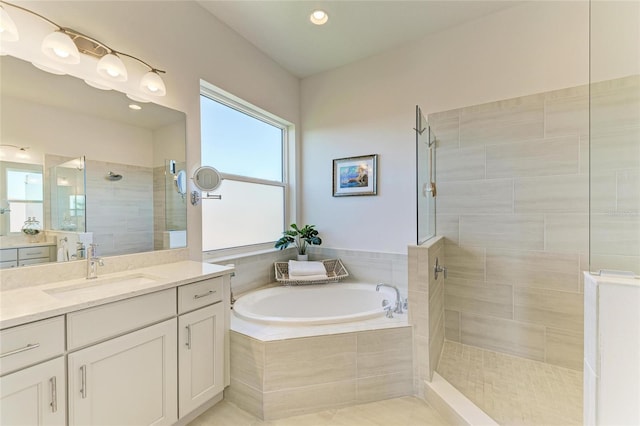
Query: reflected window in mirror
[
  {"x": 248, "y": 148},
  {"x": 23, "y": 190}
]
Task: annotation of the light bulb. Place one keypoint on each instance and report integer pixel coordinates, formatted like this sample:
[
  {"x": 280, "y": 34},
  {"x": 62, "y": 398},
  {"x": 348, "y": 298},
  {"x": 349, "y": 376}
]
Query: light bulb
[
  {"x": 8, "y": 29},
  {"x": 61, "y": 53},
  {"x": 60, "y": 47},
  {"x": 152, "y": 84},
  {"x": 319, "y": 17},
  {"x": 110, "y": 66}
]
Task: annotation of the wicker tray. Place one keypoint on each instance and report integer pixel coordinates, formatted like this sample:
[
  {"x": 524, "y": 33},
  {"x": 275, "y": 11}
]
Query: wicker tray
[{"x": 334, "y": 267}]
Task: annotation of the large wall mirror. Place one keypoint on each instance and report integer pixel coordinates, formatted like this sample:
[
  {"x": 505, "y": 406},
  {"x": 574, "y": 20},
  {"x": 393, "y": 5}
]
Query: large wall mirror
[{"x": 90, "y": 165}]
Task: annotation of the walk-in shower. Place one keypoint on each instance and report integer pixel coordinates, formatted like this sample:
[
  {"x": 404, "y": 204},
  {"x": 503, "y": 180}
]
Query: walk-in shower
[{"x": 532, "y": 191}]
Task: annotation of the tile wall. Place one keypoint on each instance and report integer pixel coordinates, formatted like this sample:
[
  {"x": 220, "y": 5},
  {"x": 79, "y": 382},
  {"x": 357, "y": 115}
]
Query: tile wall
[
  {"x": 513, "y": 205},
  {"x": 615, "y": 174},
  {"x": 257, "y": 270},
  {"x": 426, "y": 309},
  {"x": 289, "y": 377},
  {"x": 120, "y": 213}
]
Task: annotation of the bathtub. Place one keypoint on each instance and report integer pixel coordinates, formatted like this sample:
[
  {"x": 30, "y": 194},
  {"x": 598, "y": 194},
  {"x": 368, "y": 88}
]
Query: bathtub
[{"x": 314, "y": 304}]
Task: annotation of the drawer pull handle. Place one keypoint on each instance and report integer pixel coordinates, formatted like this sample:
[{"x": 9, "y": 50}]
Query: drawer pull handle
[
  {"x": 54, "y": 394},
  {"x": 17, "y": 351},
  {"x": 198, "y": 296},
  {"x": 83, "y": 381},
  {"x": 189, "y": 337}
]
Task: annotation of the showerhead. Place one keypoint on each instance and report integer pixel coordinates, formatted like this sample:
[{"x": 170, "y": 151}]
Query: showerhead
[{"x": 113, "y": 177}]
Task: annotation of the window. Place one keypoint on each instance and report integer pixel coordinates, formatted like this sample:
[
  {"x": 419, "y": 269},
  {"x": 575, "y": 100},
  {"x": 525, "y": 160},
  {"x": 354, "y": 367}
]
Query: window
[
  {"x": 24, "y": 195},
  {"x": 248, "y": 148}
]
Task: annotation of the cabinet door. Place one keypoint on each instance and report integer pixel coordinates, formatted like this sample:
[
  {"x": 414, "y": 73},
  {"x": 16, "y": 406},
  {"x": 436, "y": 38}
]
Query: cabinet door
[
  {"x": 129, "y": 380},
  {"x": 34, "y": 396},
  {"x": 201, "y": 356}
]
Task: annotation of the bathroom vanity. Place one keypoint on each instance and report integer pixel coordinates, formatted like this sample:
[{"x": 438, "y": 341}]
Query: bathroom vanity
[
  {"x": 147, "y": 346},
  {"x": 12, "y": 256}
]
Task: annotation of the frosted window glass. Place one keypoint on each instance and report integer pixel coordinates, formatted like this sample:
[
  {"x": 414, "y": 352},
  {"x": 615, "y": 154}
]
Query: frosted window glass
[
  {"x": 247, "y": 214},
  {"x": 20, "y": 212},
  {"x": 236, "y": 143}
]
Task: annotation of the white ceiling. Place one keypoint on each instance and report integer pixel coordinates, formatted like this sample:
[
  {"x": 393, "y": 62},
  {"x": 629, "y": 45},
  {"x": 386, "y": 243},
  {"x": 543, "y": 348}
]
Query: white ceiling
[{"x": 356, "y": 28}]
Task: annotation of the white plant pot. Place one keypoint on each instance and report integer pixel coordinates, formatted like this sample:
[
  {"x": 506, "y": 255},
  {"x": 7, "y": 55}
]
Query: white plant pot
[{"x": 303, "y": 257}]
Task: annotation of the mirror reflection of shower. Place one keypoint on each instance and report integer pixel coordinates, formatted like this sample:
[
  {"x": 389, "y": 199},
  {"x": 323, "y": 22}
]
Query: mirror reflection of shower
[
  {"x": 425, "y": 178},
  {"x": 68, "y": 194}
]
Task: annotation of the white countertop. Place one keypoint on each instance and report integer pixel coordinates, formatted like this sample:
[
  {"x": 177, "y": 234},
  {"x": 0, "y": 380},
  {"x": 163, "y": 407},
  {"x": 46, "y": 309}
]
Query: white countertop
[{"x": 22, "y": 305}]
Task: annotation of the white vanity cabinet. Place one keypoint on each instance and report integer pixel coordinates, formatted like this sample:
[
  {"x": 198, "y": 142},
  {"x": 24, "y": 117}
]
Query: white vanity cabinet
[
  {"x": 32, "y": 386},
  {"x": 157, "y": 358},
  {"x": 34, "y": 396},
  {"x": 128, "y": 379},
  {"x": 201, "y": 334}
]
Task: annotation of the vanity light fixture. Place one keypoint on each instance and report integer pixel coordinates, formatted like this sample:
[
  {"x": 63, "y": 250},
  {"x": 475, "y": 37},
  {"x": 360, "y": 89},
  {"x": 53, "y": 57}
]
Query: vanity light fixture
[
  {"x": 319, "y": 17},
  {"x": 64, "y": 45},
  {"x": 135, "y": 107},
  {"x": 8, "y": 29}
]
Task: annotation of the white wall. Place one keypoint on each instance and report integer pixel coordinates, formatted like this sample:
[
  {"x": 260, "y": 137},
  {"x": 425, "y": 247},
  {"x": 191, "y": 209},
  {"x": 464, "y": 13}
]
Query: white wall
[
  {"x": 56, "y": 131},
  {"x": 190, "y": 44},
  {"x": 368, "y": 108}
]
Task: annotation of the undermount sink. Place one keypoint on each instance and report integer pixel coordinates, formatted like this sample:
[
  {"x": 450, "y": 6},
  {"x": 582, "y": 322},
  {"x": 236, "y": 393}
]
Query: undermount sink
[{"x": 91, "y": 286}]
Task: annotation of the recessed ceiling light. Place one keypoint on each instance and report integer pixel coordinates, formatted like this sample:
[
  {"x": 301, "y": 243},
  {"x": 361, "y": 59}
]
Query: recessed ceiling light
[
  {"x": 319, "y": 17},
  {"x": 135, "y": 107}
]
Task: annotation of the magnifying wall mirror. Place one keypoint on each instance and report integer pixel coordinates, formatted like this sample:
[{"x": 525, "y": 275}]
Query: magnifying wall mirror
[{"x": 206, "y": 178}]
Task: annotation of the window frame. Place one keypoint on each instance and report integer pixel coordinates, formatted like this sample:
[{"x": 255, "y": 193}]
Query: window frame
[{"x": 288, "y": 147}]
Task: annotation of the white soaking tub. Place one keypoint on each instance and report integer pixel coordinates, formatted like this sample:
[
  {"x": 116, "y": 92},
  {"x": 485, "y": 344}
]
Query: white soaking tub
[{"x": 314, "y": 304}]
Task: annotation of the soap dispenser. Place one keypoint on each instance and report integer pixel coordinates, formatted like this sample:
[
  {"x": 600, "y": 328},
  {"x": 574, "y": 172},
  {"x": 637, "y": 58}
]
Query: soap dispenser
[{"x": 80, "y": 251}]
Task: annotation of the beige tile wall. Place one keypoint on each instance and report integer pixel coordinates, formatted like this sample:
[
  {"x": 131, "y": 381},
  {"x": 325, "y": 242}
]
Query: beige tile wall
[
  {"x": 284, "y": 378},
  {"x": 426, "y": 309},
  {"x": 120, "y": 214},
  {"x": 615, "y": 174},
  {"x": 513, "y": 205}
]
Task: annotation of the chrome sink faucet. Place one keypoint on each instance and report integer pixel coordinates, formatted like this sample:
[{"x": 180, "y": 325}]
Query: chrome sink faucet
[
  {"x": 398, "y": 308},
  {"x": 92, "y": 262}
]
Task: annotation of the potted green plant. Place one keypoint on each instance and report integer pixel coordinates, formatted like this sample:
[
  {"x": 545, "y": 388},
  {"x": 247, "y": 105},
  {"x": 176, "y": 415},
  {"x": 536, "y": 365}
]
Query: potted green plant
[{"x": 301, "y": 237}]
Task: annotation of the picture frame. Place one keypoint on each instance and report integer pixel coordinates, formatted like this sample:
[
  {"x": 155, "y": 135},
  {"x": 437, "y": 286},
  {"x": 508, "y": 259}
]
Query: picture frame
[{"x": 355, "y": 176}]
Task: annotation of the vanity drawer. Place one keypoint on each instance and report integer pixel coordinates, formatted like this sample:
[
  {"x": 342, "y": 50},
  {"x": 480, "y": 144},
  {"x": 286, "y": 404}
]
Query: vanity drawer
[
  {"x": 31, "y": 343},
  {"x": 8, "y": 255},
  {"x": 33, "y": 252},
  {"x": 198, "y": 294},
  {"x": 7, "y": 265},
  {"x": 23, "y": 262},
  {"x": 113, "y": 319}
]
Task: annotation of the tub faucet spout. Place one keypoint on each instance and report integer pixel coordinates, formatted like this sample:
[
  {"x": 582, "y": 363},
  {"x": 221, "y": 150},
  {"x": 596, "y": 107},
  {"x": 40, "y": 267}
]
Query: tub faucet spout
[{"x": 398, "y": 308}]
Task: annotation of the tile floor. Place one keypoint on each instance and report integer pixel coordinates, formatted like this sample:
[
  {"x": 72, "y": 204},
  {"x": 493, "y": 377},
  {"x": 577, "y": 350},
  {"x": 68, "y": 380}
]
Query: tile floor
[
  {"x": 405, "y": 411},
  {"x": 512, "y": 390}
]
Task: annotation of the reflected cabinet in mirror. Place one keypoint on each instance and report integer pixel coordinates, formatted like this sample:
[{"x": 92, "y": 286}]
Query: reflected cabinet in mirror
[{"x": 88, "y": 167}]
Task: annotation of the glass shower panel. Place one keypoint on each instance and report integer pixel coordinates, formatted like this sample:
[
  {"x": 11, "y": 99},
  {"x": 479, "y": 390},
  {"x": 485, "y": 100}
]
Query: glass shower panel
[
  {"x": 68, "y": 192},
  {"x": 614, "y": 128},
  {"x": 175, "y": 194},
  {"x": 426, "y": 182}
]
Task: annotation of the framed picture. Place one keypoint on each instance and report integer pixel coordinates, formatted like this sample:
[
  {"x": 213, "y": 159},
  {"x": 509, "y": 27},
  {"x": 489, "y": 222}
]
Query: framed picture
[{"x": 355, "y": 176}]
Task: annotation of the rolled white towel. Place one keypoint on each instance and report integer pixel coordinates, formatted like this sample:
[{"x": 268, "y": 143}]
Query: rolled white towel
[
  {"x": 308, "y": 277},
  {"x": 306, "y": 268}
]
